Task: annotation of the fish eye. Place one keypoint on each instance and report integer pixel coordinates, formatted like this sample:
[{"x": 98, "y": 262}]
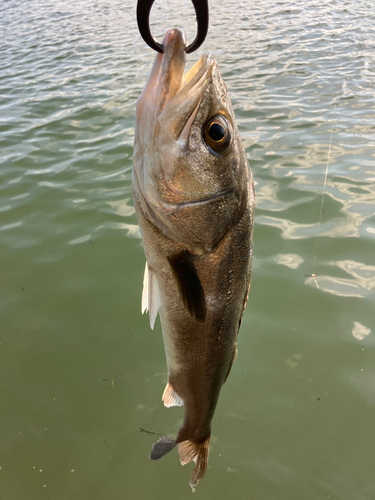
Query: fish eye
[{"x": 216, "y": 133}]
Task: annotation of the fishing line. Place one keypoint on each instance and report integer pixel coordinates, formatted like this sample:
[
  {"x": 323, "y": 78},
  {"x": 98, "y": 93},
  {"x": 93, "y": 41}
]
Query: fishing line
[{"x": 327, "y": 168}]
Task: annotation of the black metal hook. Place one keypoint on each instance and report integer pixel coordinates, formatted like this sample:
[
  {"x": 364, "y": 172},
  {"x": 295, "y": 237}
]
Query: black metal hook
[{"x": 143, "y": 19}]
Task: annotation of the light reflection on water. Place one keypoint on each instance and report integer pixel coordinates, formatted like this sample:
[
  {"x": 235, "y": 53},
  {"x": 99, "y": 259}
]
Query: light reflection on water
[{"x": 295, "y": 419}]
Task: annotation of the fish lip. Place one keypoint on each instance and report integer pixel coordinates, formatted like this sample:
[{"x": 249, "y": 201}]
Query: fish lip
[
  {"x": 172, "y": 68},
  {"x": 174, "y": 36},
  {"x": 174, "y": 44}
]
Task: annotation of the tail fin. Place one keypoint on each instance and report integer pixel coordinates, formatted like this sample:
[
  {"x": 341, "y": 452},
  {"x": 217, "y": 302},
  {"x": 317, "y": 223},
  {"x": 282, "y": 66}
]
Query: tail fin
[
  {"x": 162, "y": 447},
  {"x": 197, "y": 452}
]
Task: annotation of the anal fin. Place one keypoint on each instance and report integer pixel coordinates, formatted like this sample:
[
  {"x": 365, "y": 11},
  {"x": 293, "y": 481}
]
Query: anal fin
[
  {"x": 170, "y": 397},
  {"x": 192, "y": 451},
  {"x": 150, "y": 295}
]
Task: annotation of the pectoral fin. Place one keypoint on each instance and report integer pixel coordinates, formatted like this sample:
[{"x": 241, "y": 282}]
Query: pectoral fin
[
  {"x": 150, "y": 295},
  {"x": 191, "y": 289}
]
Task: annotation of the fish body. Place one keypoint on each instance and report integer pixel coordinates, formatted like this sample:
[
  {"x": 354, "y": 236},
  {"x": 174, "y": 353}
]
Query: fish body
[{"x": 194, "y": 197}]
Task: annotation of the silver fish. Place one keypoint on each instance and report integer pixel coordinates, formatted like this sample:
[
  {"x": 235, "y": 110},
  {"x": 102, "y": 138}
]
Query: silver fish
[{"x": 194, "y": 197}]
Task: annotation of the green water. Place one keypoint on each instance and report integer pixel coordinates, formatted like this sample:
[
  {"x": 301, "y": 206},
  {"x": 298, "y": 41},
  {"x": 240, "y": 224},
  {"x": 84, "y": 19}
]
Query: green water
[{"x": 80, "y": 370}]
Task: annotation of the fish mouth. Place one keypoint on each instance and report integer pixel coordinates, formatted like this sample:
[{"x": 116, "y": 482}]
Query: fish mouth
[
  {"x": 172, "y": 77},
  {"x": 182, "y": 98},
  {"x": 171, "y": 96}
]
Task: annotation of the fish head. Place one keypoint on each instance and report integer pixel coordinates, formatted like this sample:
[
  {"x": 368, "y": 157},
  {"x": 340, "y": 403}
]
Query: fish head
[{"x": 187, "y": 152}]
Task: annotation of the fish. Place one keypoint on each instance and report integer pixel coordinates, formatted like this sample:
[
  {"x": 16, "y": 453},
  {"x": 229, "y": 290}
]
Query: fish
[{"x": 194, "y": 198}]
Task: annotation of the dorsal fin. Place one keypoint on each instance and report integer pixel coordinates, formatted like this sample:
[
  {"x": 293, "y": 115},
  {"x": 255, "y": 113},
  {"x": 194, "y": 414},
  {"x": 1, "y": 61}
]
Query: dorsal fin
[{"x": 190, "y": 287}]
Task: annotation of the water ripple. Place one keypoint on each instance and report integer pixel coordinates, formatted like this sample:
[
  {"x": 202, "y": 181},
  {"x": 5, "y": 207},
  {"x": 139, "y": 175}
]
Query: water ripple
[{"x": 302, "y": 80}]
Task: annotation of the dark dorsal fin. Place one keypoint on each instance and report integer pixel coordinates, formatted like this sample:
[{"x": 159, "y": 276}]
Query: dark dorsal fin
[{"x": 189, "y": 283}]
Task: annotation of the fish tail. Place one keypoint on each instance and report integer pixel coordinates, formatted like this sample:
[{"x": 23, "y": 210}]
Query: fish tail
[
  {"x": 162, "y": 447},
  {"x": 191, "y": 450}
]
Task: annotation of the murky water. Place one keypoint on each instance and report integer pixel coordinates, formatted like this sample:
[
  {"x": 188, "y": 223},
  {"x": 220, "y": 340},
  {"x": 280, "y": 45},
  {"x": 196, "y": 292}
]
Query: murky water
[{"x": 80, "y": 370}]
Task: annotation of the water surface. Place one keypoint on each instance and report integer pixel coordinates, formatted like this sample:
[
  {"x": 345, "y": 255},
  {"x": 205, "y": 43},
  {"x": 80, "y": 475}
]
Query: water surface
[{"x": 80, "y": 370}]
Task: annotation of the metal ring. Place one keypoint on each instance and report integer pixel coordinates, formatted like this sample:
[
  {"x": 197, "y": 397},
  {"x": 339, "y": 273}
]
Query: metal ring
[{"x": 143, "y": 19}]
